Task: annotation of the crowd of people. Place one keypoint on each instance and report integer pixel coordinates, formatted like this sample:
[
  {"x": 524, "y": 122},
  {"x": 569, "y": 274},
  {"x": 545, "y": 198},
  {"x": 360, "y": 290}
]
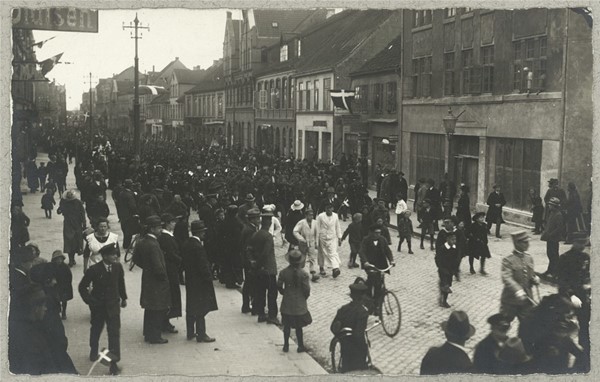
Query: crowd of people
[{"x": 247, "y": 199}]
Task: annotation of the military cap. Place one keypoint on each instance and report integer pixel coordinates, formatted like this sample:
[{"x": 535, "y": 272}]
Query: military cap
[{"x": 110, "y": 249}]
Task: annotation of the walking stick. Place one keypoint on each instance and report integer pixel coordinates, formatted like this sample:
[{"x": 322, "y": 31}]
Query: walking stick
[{"x": 537, "y": 289}]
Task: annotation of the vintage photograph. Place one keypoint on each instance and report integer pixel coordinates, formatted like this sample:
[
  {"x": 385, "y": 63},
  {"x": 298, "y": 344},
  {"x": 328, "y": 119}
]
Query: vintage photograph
[{"x": 299, "y": 191}]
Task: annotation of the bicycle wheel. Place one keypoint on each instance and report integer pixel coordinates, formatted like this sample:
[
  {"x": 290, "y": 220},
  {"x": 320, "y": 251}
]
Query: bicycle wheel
[
  {"x": 390, "y": 314},
  {"x": 335, "y": 348}
]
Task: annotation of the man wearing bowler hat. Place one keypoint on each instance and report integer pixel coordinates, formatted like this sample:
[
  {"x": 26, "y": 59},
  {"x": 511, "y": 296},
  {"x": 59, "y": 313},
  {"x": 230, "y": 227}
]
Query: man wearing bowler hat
[
  {"x": 155, "y": 296},
  {"x": 484, "y": 359},
  {"x": 249, "y": 203},
  {"x": 518, "y": 277},
  {"x": 200, "y": 292},
  {"x": 452, "y": 356},
  {"x": 105, "y": 298}
]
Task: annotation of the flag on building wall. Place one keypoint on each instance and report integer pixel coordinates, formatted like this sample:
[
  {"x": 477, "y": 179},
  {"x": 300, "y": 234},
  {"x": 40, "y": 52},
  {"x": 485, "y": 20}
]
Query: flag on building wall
[
  {"x": 342, "y": 99},
  {"x": 586, "y": 13},
  {"x": 49, "y": 63}
]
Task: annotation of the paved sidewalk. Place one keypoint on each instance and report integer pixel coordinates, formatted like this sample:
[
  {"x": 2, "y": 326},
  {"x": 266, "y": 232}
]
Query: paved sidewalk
[{"x": 242, "y": 348}]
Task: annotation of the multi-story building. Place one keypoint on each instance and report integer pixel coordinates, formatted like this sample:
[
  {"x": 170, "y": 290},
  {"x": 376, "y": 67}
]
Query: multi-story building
[
  {"x": 372, "y": 129},
  {"x": 522, "y": 78},
  {"x": 204, "y": 108},
  {"x": 328, "y": 54},
  {"x": 182, "y": 80},
  {"x": 244, "y": 52}
]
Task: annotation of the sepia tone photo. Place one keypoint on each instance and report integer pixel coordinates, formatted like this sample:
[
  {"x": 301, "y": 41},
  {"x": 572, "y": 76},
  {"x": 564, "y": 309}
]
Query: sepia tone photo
[{"x": 284, "y": 190}]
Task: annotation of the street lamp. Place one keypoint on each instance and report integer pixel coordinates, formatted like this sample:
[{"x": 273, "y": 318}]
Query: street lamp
[{"x": 449, "y": 122}]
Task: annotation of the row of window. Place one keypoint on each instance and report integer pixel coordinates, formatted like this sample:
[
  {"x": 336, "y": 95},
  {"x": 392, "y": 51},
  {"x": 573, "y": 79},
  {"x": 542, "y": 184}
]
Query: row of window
[
  {"x": 424, "y": 17},
  {"x": 204, "y": 106},
  {"x": 369, "y": 99},
  {"x": 528, "y": 68},
  {"x": 241, "y": 95},
  {"x": 309, "y": 93}
]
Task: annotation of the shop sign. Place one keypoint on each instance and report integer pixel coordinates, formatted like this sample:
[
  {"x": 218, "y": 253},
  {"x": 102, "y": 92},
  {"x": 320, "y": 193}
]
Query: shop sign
[{"x": 66, "y": 19}]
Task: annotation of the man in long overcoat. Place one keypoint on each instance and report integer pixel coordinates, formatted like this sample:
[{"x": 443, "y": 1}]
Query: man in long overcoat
[
  {"x": 128, "y": 212},
  {"x": 229, "y": 240},
  {"x": 200, "y": 292},
  {"x": 495, "y": 202},
  {"x": 74, "y": 224},
  {"x": 168, "y": 244},
  {"x": 155, "y": 297}
]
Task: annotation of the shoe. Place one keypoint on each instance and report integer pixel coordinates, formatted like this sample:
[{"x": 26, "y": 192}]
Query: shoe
[
  {"x": 421, "y": 246},
  {"x": 114, "y": 369},
  {"x": 445, "y": 305},
  {"x": 205, "y": 338},
  {"x": 322, "y": 272},
  {"x": 273, "y": 321},
  {"x": 335, "y": 273},
  {"x": 64, "y": 316},
  {"x": 159, "y": 341},
  {"x": 350, "y": 265},
  {"x": 472, "y": 271},
  {"x": 171, "y": 329},
  {"x": 499, "y": 236},
  {"x": 286, "y": 348},
  {"x": 484, "y": 273},
  {"x": 190, "y": 337},
  {"x": 315, "y": 278},
  {"x": 301, "y": 349},
  {"x": 432, "y": 248},
  {"x": 93, "y": 356},
  {"x": 410, "y": 252},
  {"x": 262, "y": 318},
  {"x": 246, "y": 309}
]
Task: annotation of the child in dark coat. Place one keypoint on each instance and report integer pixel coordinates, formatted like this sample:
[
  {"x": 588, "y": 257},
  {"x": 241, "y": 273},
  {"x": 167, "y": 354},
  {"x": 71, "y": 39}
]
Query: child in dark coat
[
  {"x": 405, "y": 230},
  {"x": 427, "y": 226},
  {"x": 64, "y": 281},
  {"x": 355, "y": 234},
  {"x": 478, "y": 243},
  {"x": 48, "y": 203},
  {"x": 445, "y": 260}
]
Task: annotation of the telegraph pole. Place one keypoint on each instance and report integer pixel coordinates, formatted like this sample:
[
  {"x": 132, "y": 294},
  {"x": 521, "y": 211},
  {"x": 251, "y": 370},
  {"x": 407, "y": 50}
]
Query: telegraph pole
[
  {"x": 136, "y": 95},
  {"x": 90, "y": 116}
]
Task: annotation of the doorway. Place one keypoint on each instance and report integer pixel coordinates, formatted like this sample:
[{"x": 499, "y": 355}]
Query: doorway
[{"x": 466, "y": 170}]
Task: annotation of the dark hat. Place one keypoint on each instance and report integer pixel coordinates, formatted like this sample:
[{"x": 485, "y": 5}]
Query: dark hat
[
  {"x": 110, "y": 249},
  {"x": 478, "y": 215},
  {"x": 554, "y": 201},
  {"x": 25, "y": 254},
  {"x": 250, "y": 198},
  {"x": 374, "y": 226},
  {"x": 294, "y": 256},
  {"x": 128, "y": 183},
  {"x": 496, "y": 186},
  {"x": 219, "y": 211},
  {"x": 212, "y": 196},
  {"x": 266, "y": 214},
  {"x": 167, "y": 218},
  {"x": 41, "y": 273},
  {"x": 253, "y": 212},
  {"x": 553, "y": 182},
  {"x": 58, "y": 253},
  {"x": 498, "y": 319},
  {"x": 358, "y": 286},
  {"x": 520, "y": 236},
  {"x": 330, "y": 190},
  {"x": 197, "y": 226},
  {"x": 458, "y": 325},
  {"x": 232, "y": 209},
  {"x": 153, "y": 221},
  {"x": 513, "y": 352}
]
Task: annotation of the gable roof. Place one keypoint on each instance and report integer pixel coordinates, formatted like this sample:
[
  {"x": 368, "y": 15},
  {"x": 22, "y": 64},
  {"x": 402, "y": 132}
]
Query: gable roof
[
  {"x": 330, "y": 42},
  {"x": 163, "y": 98},
  {"x": 164, "y": 76},
  {"x": 123, "y": 87},
  {"x": 287, "y": 20},
  {"x": 186, "y": 76},
  {"x": 212, "y": 80},
  {"x": 127, "y": 74},
  {"x": 387, "y": 59}
]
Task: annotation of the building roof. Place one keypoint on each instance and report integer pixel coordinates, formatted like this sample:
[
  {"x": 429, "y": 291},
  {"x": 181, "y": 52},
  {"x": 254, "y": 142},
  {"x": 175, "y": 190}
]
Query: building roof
[
  {"x": 212, "y": 80},
  {"x": 163, "y": 98},
  {"x": 275, "y": 22},
  {"x": 327, "y": 44},
  {"x": 387, "y": 60},
  {"x": 164, "y": 76},
  {"x": 186, "y": 76},
  {"x": 123, "y": 87},
  {"x": 127, "y": 74}
]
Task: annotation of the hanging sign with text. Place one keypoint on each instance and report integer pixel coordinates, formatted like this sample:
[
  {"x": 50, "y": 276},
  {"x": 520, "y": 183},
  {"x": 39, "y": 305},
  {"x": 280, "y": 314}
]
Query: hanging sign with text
[{"x": 56, "y": 19}]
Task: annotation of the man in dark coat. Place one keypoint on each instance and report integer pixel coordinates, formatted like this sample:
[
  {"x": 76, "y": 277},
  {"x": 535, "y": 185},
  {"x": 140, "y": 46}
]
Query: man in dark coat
[
  {"x": 332, "y": 199},
  {"x": 105, "y": 299},
  {"x": 435, "y": 200},
  {"x": 74, "y": 224},
  {"x": 229, "y": 240},
  {"x": 129, "y": 212},
  {"x": 553, "y": 234},
  {"x": 375, "y": 252},
  {"x": 354, "y": 316},
  {"x": 168, "y": 244},
  {"x": 251, "y": 226},
  {"x": 445, "y": 260},
  {"x": 485, "y": 360},
  {"x": 200, "y": 293},
  {"x": 264, "y": 264},
  {"x": 447, "y": 193},
  {"x": 155, "y": 296},
  {"x": 554, "y": 191},
  {"x": 452, "y": 356},
  {"x": 292, "y": 218},
  {"x": 495, "y": 202}
]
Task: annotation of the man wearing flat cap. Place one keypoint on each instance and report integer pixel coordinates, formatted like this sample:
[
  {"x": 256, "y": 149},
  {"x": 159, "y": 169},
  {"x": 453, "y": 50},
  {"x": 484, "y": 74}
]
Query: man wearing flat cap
[
  {"x": 553, "y": 235},
  {"x": 574, "y": 283},
  {"x": 485, "y": 360},
  {"x": 518, "y": 277},
  {"x": 105, "y": 299},
  {"x": 554, "y": 191},
  {"x": 155, "y": 296},
  {"x": 452, "y": 356}
]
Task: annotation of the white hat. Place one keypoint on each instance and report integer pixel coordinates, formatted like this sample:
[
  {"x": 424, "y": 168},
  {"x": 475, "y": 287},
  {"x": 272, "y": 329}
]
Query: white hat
[{"x": 297, "y": 206}]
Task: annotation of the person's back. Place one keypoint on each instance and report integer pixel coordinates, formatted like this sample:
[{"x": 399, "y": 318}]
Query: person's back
[{"x": 445, "y": 359}]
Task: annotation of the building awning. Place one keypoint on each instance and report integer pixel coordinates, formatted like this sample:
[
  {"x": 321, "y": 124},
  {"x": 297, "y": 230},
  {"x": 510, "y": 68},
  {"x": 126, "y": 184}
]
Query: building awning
[
  {"x": 214, "y": 123},
  {"x": 383, "y": 120}
]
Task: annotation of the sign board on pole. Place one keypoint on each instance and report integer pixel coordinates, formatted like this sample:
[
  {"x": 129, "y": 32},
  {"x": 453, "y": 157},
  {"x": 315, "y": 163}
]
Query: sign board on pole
[{"x": 57, "y": 19}]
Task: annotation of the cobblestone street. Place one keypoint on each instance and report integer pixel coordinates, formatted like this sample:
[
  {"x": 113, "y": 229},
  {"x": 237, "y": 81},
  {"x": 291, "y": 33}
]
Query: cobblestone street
[{"x": 243, "y": 345}]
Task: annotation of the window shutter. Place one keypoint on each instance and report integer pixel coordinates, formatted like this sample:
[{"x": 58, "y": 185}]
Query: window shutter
[{"x": 475, "y": 85}]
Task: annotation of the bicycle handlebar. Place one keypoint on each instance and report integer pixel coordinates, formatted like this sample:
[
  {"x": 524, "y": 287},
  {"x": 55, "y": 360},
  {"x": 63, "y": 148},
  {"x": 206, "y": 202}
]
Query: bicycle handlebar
[{"x": 374, "y": 268}]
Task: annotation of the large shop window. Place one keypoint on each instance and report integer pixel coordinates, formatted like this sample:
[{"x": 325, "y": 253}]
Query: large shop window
[
  {"x": 427, "y": 156},
  {"x": 529, "y": 65},
  {"x": 516, "y": 168}
]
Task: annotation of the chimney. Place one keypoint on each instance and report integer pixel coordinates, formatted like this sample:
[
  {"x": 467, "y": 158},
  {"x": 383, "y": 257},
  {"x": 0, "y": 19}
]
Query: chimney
[
  {"x": 176, "y": 58},
  {"x": 228, "y": 15},
  {"x": 153, "y": 68}
]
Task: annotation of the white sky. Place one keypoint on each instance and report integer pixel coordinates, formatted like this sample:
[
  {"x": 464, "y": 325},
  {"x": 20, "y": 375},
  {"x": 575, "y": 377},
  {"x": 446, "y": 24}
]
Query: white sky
[{"x": 195, "y": 36}]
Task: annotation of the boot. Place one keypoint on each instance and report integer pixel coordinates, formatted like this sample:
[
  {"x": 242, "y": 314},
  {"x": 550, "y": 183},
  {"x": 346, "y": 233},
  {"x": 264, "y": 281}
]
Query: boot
[
  {"x": 482, "y": 266},
  {"x": 445, "y": 300}
]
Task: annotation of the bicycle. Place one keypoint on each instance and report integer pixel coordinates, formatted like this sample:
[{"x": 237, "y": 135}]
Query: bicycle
[
  {"x": 335, "y": 348},
  {"x": 388, "y": 306},
  {"x": 129, "y": 252}
]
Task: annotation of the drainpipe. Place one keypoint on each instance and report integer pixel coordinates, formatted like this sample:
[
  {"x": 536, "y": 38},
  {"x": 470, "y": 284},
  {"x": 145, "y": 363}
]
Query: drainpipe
[
  {"x": 564, "y": 95},
  {"x": 400, "y": 95}
]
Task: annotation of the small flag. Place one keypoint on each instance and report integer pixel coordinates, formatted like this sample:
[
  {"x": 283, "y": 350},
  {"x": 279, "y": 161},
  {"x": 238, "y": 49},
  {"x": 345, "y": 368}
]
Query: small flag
[
  {"x": 154, "y": 90},
  {"x": 342, "y": 99},
  {"x": 86, "y": 116},
  {"x": 346, "y": 203},
  {"x": 106, "y": 357},
  {"x": 41, "y": 43},
  {"x": 586, "y": 13},
  {"x": 49, "y": 63}
]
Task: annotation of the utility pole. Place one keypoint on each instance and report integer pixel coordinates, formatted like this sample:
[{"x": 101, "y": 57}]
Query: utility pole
[
  {"x": 90, "y": 115},
  {"x": 136, "y": 94}
]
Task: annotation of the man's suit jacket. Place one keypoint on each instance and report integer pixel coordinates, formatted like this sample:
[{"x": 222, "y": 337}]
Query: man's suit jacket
[
  {"x": 446, "y": 359},
  {"x": 108, "y": 289}
]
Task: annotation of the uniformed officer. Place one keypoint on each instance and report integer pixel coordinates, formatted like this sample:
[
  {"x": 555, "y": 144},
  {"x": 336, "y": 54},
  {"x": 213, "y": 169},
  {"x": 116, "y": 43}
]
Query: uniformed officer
[
  {"x": 518, "y": 277},
  {"x": 574, "y": 283}
]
